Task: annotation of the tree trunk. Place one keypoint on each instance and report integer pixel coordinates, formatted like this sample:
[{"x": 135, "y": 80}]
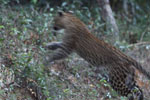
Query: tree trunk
[
  {"x": 107, "y": 16},
  {"x": 125, "y": 6}
]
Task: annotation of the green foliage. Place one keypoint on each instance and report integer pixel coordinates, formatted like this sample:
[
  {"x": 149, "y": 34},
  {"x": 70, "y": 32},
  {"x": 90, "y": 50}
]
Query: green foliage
[
  {"x": 34, "y": 1},
  {"x": 4, "y": 1}
]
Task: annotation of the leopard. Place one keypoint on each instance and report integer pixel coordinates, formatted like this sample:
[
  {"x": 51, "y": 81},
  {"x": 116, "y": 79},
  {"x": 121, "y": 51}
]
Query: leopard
[{"x": 118, "y": 68}]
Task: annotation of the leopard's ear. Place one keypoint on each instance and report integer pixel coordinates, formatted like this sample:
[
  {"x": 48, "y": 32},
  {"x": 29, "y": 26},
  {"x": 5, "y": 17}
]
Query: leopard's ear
[{"x": 60, "y": 13}]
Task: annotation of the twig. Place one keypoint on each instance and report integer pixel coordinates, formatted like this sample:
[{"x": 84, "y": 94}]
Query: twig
[
  {"x": 141, "y": 39},
  {"x": 145, "y": 30},
  {"x": 139, "y": 43}
]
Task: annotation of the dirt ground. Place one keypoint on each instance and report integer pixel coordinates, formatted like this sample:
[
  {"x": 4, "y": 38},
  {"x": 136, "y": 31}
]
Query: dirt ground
[{"x": 82, "y": 83}]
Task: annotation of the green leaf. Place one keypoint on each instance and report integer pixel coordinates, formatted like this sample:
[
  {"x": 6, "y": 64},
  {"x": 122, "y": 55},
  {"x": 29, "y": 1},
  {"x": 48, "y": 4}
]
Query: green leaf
[
  {"x": 34, "y": 1},
  {"x": 2, "y": 27},
  {"x": 1, "y": 39},
  {"x": 49, "y": 98},
  {"x": 64, "y": 4},
  {"x": 66, "y": 90}
]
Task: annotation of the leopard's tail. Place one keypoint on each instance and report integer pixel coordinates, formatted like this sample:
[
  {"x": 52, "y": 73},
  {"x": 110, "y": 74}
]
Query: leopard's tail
[{"x": 141, "y": 69}]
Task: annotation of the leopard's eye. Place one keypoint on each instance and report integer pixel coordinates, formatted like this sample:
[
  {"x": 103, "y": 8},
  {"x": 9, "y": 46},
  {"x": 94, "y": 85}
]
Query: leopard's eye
[{"x": 55, "y": 28}]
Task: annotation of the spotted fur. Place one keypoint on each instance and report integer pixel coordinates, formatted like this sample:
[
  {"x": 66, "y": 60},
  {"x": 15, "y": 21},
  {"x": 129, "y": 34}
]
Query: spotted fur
[{"x": 120, "y": 68}]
